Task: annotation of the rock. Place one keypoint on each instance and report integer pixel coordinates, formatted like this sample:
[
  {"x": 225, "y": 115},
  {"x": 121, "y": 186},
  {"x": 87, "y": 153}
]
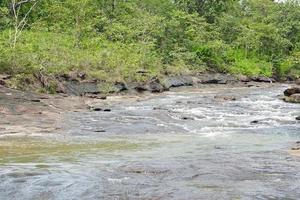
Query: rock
[
  {"x": 244, "y": 79},
  {"x": 60, "y": 88},
  {"x": 295, "y": 98},
  {"x": 141, "y": 88},
  {"x": 4, "y": 78},
  {"x": 263, "y": 79},
  {"x": 177, "y": 81},
  {"x": 225, "y": 98},
  {"x": 254, "y": 122},
  {"x": 81, "y": 88},
  {"x": 107, "y": 110},
  {"x": 97, "y": 109},
  {"x": 187, "y": 118},
  {"x": 298, "y": 118},
  {"x": 216, "y": 78},
  {"x": 95, "y": 96},
  {"x": 298, "y": 142},
  {"x": 35, "y": 100},
  {"x": 100, "y": 131},
  {"x": 120, "y": 87},
  {"x": 155, "y": 86},
  {"x": 291, "y": 91},
  {"x": 295, "y": 148}
]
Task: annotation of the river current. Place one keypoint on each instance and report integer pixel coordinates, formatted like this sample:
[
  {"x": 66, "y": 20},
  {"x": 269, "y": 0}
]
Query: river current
[{"x": 213, "y": 142}]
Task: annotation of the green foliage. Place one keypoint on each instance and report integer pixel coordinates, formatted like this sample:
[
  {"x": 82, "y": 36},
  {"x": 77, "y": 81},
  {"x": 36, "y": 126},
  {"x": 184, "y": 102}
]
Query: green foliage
[{"x": 113, "y": 40}]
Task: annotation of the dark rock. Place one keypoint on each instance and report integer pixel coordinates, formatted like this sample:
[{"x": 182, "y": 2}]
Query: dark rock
[
  {"x": 2, "y": 82},
  {"x": 295, "y": 98},
  {"x": 35, "y": 100},
  {"x": 298, "y": 142},
  {"x": 107, "y": 110},
  {"x": 291, "y": 91},
  {"x": 141, "y": 88},
  {"x": 4, "y": 78},
  {"x": 120, "y": 87},
  {"x": 263, "y": 79},
  {"x": 295, "y": 148},
  {"x": 298, "y": 118},
  {"x": 97, "y": 109},
  {"x": 187, "y": 118},
  {"x": 254, "y": 122},
  {"x": 216, "y": 78},
  {"x": 100, "y": 131},
  {"x": 155, "y": 86}
]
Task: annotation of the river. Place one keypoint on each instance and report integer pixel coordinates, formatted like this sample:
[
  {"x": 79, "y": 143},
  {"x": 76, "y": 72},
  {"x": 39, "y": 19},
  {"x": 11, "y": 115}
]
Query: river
[{"x": 213, "y": 142}]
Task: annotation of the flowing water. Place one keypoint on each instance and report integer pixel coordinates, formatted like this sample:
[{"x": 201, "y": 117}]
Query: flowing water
[{"x": 188, "y": 144}]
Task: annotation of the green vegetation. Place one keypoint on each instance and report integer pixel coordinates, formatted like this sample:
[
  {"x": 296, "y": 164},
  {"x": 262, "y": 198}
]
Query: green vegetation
[{"x": 112, "y": 40}]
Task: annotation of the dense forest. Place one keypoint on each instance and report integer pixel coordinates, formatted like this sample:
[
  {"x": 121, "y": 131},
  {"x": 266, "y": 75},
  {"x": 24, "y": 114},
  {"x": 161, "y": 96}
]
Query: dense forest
[{"x": 113, "y": 40}]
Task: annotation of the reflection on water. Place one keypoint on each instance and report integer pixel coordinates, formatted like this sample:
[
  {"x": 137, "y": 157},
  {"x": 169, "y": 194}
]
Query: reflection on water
[{"x": 179, "y": 145}]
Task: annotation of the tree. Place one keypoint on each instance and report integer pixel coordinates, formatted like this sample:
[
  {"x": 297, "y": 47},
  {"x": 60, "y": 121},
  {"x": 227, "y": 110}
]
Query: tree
[{"x": 20, "y": 16}]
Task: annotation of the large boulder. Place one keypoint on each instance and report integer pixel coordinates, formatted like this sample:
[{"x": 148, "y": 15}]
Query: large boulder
[
  {"x": 294, "y": 98},
  {"x": 291, "y": 91},
  {"x": 177, "y": 81}
]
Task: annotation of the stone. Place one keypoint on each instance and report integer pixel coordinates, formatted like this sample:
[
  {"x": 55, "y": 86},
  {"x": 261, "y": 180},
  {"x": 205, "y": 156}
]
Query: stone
[
  {"x": 295, "y": 98},
  {"x": 177, "y": 81},
  {"x": 295, "y": 148},
  {"x": 291, "y": 91},
  {"x": 263, "y": 79},
  {"x": 298, "y": 118},
  {"x": 120, "y": 87}
]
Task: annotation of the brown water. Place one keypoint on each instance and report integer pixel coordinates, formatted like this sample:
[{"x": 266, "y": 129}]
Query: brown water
[{"x": 178, "y": 145}]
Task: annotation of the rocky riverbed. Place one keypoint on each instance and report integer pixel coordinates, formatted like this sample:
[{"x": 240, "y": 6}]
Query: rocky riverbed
[{"x": 228, "y": 141}]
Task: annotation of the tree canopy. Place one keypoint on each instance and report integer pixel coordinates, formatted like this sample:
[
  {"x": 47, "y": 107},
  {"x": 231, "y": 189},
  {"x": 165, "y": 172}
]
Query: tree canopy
[{"x": 111, "y": 39}]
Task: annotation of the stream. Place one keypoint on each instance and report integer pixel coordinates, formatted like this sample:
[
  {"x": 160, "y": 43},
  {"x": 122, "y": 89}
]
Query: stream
[{"x": 211, "y": 142}]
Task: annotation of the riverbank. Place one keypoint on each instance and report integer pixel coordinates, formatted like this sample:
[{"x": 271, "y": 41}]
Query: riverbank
[{"x": 28, "y": 113}]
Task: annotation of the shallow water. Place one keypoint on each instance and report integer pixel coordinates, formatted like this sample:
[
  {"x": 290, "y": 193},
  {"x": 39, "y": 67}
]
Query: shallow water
[{"x": 186, "y": 144}]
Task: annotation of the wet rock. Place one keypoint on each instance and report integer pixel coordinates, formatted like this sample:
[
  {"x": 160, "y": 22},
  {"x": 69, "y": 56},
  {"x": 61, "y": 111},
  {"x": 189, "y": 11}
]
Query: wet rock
[
  {"x": 295, "y": 98},
  {"x": 263, "y": 79},
  {"x": 187, "y": 118},
  {"x": 35, "y": 100},
  {"x": 291, "y": 91},
  {"x": 100, "y": 131},
  {"x": 298, "y": 118},
  {"x": 107, "y": 110},
  {"x": 295, "y": 148},
  {"x": 96, "y": 109},
  {"x": 254, "y": 122},
  {"x": 298, "y": 142},
  {"x": 177, "y": 81}
]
